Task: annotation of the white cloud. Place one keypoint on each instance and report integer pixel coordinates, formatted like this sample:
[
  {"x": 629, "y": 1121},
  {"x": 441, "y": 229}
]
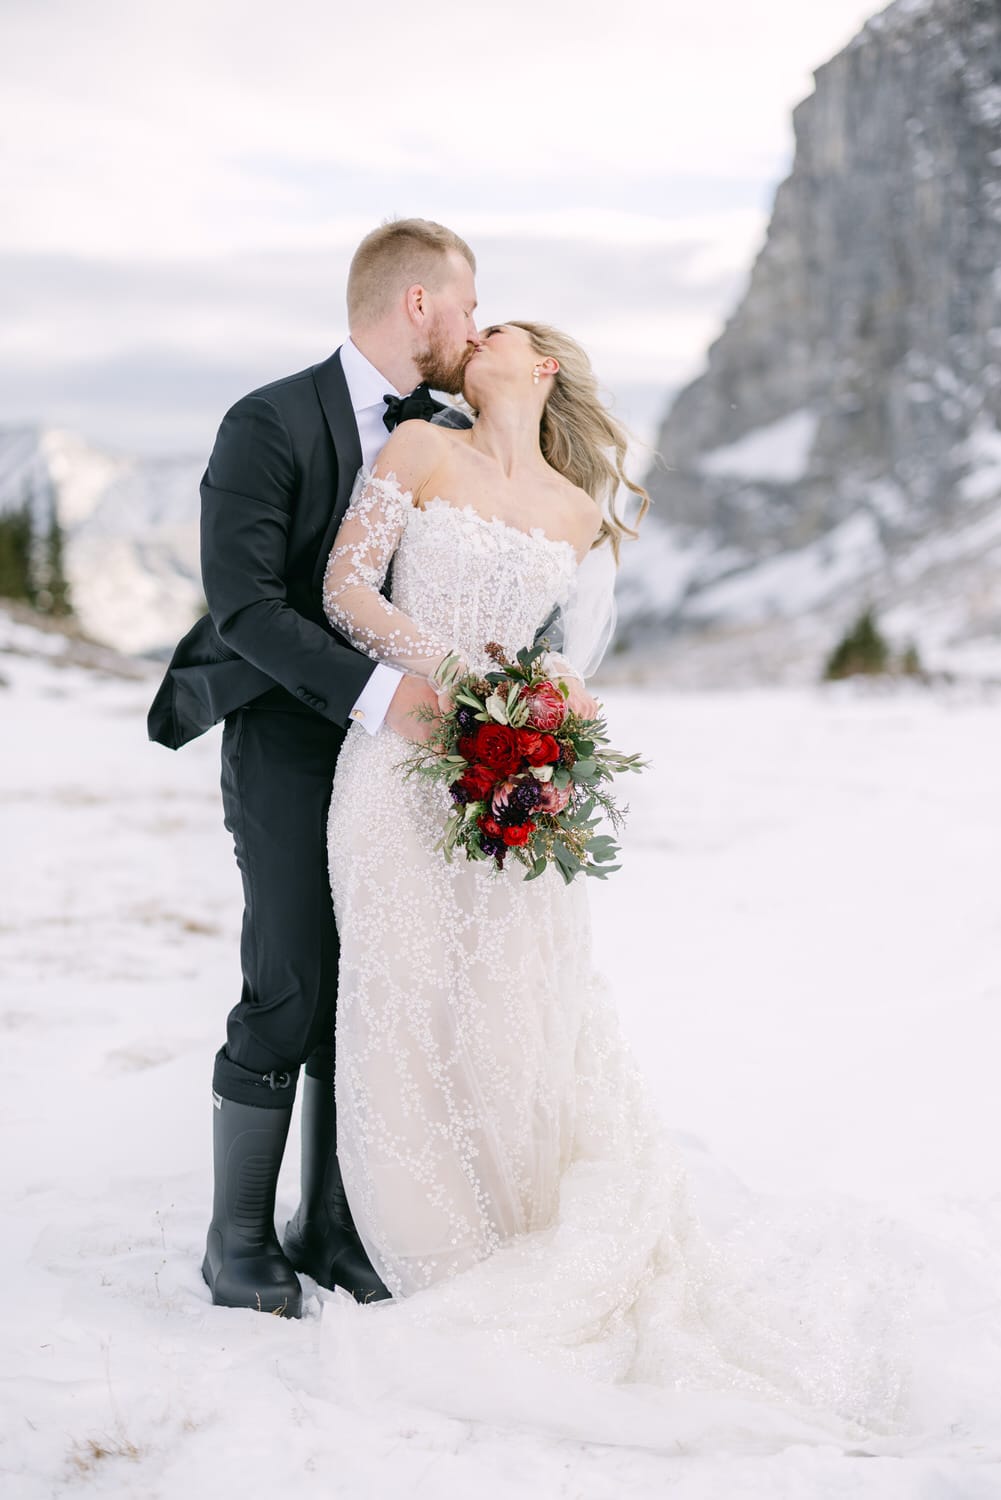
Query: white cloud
[
  {"x": 139, "y": 130},
  {"x": 182, "y": 185}
]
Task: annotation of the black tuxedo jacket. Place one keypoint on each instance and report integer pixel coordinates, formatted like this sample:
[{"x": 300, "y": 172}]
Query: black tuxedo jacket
[{"x": 273, "y": 495}]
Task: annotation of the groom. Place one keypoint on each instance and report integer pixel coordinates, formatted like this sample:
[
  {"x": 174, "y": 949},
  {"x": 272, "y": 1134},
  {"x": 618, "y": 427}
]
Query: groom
[{"x": 266, "y": 661}]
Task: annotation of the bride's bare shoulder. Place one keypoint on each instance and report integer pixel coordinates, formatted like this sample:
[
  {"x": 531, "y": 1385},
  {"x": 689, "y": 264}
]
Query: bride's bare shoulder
[
  {"x": 415, "y": 436},
  {"x": 412, "y": 452},
  {"x": 581, "y": 514}
]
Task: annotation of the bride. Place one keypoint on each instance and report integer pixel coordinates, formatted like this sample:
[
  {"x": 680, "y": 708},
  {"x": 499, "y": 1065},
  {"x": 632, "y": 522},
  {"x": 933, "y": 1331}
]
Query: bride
[
  {"x": 462, "y": 992},
  {"x": 494, "y": 1136}
]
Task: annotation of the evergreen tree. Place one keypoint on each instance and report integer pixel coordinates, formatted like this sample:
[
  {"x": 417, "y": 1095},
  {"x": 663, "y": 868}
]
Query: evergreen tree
[
  {"x": 57, "y": 584},
  {"x": 31, "y": 560},
  {"x": 51, "y": 587},
  {"x": 16, "y": 562},
  {"x": 862, "y": 650}
]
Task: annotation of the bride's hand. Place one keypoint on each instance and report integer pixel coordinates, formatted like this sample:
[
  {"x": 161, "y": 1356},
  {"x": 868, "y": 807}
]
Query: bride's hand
[
  {"x": 403, "y": 714},
  {"x": 580, "y": 700}
]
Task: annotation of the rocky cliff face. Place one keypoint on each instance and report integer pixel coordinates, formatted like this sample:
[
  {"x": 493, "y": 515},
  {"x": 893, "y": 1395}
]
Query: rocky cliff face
[{"x": 843, "y": 444}]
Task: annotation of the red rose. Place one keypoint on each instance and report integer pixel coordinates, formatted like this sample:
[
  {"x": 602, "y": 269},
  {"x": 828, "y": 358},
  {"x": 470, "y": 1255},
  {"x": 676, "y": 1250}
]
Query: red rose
[
  {"x": 518, "y": 835},
  {"x": 497, "y": 747},
  {"x": 478, "y": 781},
  {"x": 490, "y": 826},
  {"x": 547, "y": 706},
  {"x": 467, "y": 746},
  {"x": 538, "y": 749},
  {"x": 550, "y": 751}
]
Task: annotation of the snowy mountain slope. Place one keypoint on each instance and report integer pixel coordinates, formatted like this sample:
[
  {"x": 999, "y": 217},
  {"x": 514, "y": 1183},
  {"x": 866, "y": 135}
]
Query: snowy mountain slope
[
  {"x": 813, "y": 996},
  {"x": 130, "y": 527},
  {"x": 844, "y": 443}
]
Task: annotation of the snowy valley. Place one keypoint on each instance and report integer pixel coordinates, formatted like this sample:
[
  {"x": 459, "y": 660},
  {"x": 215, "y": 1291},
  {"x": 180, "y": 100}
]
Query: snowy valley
[{"x": 803, "y": 942}]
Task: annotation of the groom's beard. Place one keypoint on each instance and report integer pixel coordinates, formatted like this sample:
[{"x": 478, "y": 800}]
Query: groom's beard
[{"x": 443, "y": 370}]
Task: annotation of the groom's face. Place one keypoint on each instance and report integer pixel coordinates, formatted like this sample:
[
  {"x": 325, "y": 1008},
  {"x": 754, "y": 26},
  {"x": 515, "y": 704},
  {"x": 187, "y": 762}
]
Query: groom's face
[{"x": 451, "y": 335}]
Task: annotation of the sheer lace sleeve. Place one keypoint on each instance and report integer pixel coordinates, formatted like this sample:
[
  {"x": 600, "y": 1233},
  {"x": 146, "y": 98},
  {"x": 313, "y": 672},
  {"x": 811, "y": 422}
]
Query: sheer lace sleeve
[{"x": 356, "y": 570}]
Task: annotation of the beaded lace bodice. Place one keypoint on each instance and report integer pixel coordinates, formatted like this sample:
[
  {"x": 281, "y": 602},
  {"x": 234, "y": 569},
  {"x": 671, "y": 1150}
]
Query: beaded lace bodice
[{"x": 460, "y": 579}]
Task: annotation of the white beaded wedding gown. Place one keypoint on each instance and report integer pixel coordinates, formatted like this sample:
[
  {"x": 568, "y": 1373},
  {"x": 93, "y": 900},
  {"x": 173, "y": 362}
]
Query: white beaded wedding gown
[{"x": 495, "y": 1141}]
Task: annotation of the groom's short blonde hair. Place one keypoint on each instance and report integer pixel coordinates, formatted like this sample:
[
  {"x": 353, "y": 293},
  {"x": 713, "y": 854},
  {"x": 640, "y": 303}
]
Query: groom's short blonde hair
[{"x": 399, "y": 254}]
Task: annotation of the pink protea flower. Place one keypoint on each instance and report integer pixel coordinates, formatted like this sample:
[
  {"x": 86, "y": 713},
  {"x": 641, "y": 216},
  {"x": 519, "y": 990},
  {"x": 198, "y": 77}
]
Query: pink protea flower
[
  {"x": 552, "y": 799},
  {"x": 501, "y": 796},
  {"x": 547, "y": 707}
]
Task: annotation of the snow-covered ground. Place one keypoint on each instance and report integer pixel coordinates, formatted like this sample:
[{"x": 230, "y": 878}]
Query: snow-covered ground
[{"x": 806, "y": 944}]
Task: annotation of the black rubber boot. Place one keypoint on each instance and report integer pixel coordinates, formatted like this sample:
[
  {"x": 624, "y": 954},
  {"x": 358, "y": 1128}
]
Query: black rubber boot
[
  {"x": 321, "y": 1238},
  {"x": 244, "y": 1265}
]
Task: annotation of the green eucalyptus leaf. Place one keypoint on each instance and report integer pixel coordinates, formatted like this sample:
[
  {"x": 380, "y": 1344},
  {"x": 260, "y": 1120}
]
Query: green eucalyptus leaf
[{"x": 496, "y": 707}]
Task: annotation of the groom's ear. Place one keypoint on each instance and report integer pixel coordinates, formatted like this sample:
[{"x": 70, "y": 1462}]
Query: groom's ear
[{"x": 415, "y": 302}]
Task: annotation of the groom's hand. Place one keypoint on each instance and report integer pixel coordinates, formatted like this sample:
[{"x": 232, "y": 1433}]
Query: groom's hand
[{"x": 412, "y": 694}]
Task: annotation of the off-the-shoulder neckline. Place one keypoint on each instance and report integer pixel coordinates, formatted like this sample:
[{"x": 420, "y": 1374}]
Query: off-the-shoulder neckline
[{"x": 536, "y": 533}]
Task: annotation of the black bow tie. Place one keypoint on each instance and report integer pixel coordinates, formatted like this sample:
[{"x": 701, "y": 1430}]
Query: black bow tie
[{"x": 420, "y": 403}]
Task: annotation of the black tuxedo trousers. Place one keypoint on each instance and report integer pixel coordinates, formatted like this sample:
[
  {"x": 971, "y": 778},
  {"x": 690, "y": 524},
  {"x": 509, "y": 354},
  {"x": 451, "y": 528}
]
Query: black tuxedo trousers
[{"x": 277, "y": 770}]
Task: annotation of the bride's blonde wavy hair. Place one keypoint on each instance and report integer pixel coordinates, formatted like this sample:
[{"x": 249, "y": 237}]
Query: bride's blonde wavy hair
[{"x": 579, "y": 436}]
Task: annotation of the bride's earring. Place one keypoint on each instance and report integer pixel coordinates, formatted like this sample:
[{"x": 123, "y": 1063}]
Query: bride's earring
[{"x": 535, "y": 376}]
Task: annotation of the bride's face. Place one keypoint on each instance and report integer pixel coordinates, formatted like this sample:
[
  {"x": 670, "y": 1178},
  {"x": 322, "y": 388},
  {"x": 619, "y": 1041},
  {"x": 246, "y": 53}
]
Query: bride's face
[{"x": 504, "y": 356}]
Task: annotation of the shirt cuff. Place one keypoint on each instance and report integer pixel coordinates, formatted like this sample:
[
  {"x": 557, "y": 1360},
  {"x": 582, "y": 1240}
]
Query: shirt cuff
[{"x": 371, "y": 707}]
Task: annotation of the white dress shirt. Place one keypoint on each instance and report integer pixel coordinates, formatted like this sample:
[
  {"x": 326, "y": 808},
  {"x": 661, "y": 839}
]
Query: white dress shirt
[{"x": 366, "y": 387}]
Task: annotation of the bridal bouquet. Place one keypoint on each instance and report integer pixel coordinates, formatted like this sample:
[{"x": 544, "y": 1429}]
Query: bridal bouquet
[{"x": 526, "y": 775}]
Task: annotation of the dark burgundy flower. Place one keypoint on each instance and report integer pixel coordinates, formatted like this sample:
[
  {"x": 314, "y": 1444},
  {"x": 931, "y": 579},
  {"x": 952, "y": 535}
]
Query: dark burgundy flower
[
  {"x": 478, "y": 782},
  {"x": 525, "y": 797},
  {"x": 495, "y": 848}
]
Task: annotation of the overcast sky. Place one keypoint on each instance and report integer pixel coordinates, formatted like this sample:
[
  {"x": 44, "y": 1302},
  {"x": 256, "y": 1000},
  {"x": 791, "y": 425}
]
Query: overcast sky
[{"x": 182, "y": 187}]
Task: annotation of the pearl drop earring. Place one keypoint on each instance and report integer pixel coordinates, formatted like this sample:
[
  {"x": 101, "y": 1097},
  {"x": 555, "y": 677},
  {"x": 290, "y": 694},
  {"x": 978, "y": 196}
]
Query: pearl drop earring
[{"x": 535, "y": 376}]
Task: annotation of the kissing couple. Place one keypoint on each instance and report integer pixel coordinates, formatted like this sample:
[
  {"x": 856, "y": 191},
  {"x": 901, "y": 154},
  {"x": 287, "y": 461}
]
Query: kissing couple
[{"x": 474, "y": 1130}]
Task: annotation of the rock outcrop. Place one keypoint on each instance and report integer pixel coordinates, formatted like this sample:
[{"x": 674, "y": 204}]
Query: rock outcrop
[{"x": 843, "y": 445}]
